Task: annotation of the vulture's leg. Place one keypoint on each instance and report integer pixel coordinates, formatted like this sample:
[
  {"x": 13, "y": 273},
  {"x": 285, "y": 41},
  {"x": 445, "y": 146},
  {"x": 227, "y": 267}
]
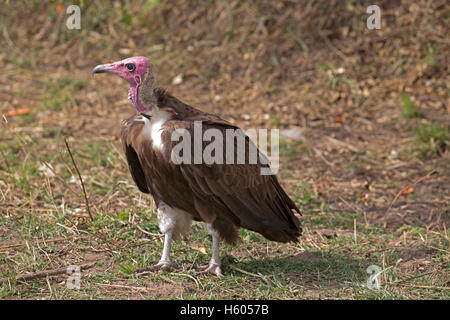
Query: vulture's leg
[
  {"x": 165, "y": 262},
  {"x": 167, "y": 220},
  {"x": 215, "y": 263}
]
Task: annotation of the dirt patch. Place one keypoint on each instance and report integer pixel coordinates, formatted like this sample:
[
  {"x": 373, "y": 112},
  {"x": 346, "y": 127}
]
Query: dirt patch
[
  {"x": 147, "y": 290},
  {"x": 415, "y": 259},
  {"x": 424, "y": 214}
]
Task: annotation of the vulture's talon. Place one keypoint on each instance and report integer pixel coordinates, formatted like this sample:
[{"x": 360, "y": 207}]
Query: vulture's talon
[
  {"x": 162, "y": 265},
  {"x": 168, "y": 266},
  {"x": 165, "y": 265},
  {"x": 213, "y": 268}
]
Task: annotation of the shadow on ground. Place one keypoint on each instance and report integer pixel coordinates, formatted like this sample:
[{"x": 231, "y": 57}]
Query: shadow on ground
[{"x": 306, "y": 269}]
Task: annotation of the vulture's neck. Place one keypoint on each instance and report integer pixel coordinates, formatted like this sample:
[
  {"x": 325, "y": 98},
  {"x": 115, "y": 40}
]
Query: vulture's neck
[{"x": 146, "y": 99}]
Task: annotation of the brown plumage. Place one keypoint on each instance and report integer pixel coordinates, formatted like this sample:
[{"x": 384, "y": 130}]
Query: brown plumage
[{"x": 226, "y": 195}]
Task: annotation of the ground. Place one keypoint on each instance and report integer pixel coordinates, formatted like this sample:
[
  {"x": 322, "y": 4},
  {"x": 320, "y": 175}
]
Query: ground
[{"x": 364, "y": 150}]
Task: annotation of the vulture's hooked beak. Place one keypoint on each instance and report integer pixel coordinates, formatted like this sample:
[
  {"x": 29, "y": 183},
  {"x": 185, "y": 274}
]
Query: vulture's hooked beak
[{"x": 102, "y": 68}]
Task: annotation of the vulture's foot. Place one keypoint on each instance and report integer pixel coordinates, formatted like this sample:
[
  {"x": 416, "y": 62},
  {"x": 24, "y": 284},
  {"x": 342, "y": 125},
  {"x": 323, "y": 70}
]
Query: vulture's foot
[
  {"x": 214, "y": 268},
  {"x": 165, "y": 265}
]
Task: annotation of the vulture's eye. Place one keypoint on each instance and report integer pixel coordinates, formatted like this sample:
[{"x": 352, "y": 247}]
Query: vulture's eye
[{"x": 130, "y": 67}]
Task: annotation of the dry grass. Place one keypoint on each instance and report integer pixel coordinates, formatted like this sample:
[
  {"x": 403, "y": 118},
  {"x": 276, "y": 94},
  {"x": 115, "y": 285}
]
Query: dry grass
[{"x": 373, "y": 108}]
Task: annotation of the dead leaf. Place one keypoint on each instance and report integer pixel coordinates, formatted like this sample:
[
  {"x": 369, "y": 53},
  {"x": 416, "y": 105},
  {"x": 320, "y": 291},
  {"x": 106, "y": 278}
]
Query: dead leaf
[
  {"x": 202, "y": 249},
  {"x": 19, "y": 111},
  {"x": 60, "y": 7},
  {"x": 408, "y": 191},
  {"x": 340, "y": 119}
]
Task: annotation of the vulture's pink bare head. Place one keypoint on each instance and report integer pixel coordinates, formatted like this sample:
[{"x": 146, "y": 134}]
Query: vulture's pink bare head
[{"x": 134, "y": 70}]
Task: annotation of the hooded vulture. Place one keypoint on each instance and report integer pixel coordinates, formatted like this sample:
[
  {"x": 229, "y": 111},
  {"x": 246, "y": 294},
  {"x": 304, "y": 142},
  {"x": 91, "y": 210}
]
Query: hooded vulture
[{"x": 224, "y": 194}]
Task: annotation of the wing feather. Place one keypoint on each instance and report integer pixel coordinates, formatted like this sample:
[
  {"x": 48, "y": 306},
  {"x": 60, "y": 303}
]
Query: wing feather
[
  {"x": 127, "y": 134},
  {"x": 227, "y": 195},
  {"x": 256, "y": 200}
]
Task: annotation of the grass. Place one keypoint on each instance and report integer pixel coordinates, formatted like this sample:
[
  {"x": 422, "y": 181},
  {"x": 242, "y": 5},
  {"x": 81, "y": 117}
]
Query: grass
[
  {"x": 432, "y": 138},
  {"x": 292, "y": 148},
  {"x": 329, "y": 262},
  {"x": 272, "y": 271},
  {"x": 59, "y": 94},
  {"x": 410, "y": 110},
  {"x": 256, "y": 66},
  {"x": 431, "y": 55},
  {"x": 322, "y": 265}
]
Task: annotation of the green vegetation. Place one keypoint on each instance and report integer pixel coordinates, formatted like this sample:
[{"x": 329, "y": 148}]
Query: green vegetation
[
  {"x": 59, "y": 94},
  {"x": 409, "y": 108},
  {"x": 432, "y": 138},
  {"x": 372, "y": 108}
]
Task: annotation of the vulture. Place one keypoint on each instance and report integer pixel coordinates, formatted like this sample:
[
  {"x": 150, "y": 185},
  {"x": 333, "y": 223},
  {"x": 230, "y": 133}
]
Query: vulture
[{"x": 224, "y": 194}]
